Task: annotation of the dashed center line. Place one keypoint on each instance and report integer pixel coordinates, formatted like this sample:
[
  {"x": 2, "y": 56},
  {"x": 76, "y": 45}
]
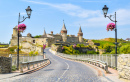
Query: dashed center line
[{"x": 64, "y": 72}]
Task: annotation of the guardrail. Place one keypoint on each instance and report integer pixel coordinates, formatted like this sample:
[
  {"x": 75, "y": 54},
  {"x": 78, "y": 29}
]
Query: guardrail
[
  {"x": 99, "y": 64},
  {"x": 108, "y": 58},
  {"x": 25, "y": 58},
  {"x": 33, "y": 63},
  {"x": 87, "y": 58}
]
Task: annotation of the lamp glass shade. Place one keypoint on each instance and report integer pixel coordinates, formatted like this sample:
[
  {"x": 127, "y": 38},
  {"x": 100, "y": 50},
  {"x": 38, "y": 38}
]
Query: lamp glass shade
[
  {"x": 28, "y": 11},
  {"x": 105, "y": 10}
]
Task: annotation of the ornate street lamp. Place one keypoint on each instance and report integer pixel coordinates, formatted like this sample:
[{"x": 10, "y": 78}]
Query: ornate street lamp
[
  {"x": 28, "y": 11},
  {"x": 105, "y": 10}
]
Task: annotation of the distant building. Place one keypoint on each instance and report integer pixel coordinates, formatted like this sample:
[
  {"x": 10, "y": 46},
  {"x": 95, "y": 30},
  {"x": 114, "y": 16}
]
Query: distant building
[
  {"x": 48, "y": 39},
  {"x": 128, "y": 39}
]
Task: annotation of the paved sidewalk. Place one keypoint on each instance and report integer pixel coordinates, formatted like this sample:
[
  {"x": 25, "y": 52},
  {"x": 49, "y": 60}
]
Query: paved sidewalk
[{"x": 9, "y": 75}]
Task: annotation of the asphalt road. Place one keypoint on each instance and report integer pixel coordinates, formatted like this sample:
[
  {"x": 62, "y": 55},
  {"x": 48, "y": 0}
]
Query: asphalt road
[{"x": 60, "y": 70}]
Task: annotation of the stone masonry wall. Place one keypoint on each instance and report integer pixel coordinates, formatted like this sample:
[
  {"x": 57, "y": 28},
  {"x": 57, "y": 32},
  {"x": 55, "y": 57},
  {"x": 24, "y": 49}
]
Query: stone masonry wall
[
  {"x": 56, "y": 48},
  {"x": 124, "y": 66},
  {"x": 5, "y": 65}
]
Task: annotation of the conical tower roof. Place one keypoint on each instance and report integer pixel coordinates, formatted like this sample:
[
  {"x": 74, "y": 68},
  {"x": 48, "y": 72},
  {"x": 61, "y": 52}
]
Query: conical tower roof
[
  {"x": 16, "y": 27},
  {"x": 44, "y": 32},
  {"x": 64, "y": 27},
  {"x": 80, "y": 30}
]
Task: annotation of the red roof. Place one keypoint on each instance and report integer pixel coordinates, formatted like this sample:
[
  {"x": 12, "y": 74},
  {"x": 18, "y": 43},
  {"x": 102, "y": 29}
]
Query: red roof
[{"x": 128, "y": 39}]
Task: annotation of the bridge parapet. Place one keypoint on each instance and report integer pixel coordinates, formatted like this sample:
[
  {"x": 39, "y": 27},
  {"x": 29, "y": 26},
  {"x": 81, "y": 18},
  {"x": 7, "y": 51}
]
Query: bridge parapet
[{"x": 34, "y": 64}]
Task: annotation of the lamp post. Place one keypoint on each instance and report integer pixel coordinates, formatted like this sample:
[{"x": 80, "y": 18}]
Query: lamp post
[
  {"x": 28, "y": 11},
  {"x": 105, "y": 10}
]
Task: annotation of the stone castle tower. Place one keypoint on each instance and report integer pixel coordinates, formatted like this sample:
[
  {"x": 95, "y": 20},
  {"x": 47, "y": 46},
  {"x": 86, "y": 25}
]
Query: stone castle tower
[
  {"x": 44, "y": 32},
  {"x": 64, "y": 33},
  {"x": 80, "y": 35},
  {"x": 15, "y": 31}
]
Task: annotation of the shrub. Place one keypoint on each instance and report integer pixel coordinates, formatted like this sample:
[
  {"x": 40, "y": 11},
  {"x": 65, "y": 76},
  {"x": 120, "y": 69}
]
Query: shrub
[
  {"x": 31, "y": 53},
  {"x": 11, "y": 49},
  {"x": 13, "y": 68},
  {"x": 125, "y": 49},
  {"x": 91, "y": 52},
  {"x": 80, "y": 45},
  {"x": 107, "y": 47},
  {"x": 36, "y": 53}
]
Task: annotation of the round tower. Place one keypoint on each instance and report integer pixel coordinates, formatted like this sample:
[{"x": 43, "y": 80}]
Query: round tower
[
  {"x": 64, "y": 33},
  {"x": 52, "y": 32},
  {"x": 29, "y": 35},
  {"x": 15, "y": 32},
  {"x": 80, "y": 35}
]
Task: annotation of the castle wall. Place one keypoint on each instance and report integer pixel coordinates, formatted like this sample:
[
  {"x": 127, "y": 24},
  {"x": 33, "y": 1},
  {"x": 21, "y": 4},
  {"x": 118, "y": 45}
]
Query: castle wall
[
  {"x": 28, "y": 47},
  {"x": 51, "y": 41},
  {"x": 40, "y": 41},
  {"x": 14, "y": 40},
  {"x": 57, "y": 37},
  {"x": 72, "y": 39}
]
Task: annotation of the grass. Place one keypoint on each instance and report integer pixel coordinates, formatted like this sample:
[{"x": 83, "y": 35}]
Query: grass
[
  {"x": 111, "y": 42},
  {"x": 4, "y": 45},
  {"x": 6, "y": 51},
  {"x": 108, "y": 44},
  {"x": 103, "y": 42}
]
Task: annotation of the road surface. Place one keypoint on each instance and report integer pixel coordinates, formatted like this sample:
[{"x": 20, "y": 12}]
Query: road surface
[{"x": 60, "y": 70}]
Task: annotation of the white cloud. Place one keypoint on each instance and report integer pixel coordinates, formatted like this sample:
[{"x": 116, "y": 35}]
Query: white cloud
[
  {"x": 99, "y": 21},
  {"x": 23, "y": 13},
  {"x": 91, "y": 18},
  {"x": 70, "y": 9},
  {"x": 123, "y": 16}
]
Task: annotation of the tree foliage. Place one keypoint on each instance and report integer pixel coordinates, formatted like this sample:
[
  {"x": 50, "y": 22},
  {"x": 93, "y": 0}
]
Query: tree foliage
[
  {"x": 125, "y": 49},
  {"x": 37, "y": 36},
  {"x": 71, "y": 50}
]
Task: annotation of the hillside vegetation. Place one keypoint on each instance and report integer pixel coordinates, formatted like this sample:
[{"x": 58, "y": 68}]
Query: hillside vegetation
[{"x": 123, "y": 46}]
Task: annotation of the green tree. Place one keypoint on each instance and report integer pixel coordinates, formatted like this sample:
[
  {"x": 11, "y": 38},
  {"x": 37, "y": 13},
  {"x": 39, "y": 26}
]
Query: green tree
[
  {"x": 125, "y": 49},
  {"x": 108, "y": 48},
  {"x": 37, "y": 36}
]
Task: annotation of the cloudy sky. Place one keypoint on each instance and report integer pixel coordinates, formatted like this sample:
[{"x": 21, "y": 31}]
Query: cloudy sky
[{"x": 49, "y": 14}]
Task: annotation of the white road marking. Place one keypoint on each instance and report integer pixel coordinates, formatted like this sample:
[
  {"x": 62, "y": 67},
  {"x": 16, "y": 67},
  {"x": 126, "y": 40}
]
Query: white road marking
[{"x": 64, "y": 72}]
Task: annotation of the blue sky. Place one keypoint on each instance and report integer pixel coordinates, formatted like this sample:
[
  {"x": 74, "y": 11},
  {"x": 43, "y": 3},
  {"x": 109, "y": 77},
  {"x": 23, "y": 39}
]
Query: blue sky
[{"x": 49, "y": 14}]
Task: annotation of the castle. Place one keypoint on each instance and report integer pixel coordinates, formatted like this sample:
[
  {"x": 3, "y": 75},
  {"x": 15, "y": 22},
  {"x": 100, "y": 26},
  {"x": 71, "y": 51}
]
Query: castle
[{"x": 48, "y": 39}]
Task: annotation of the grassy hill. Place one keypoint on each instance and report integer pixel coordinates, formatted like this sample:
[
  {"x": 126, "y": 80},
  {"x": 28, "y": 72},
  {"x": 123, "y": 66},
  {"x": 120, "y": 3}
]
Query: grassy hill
[
  {"x": 108, "y": 44},
  {"x": 111, "y": 41}
]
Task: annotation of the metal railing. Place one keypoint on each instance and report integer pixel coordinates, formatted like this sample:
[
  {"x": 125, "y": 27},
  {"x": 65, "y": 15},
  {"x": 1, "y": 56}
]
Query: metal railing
[
  {"x": 25, "y": 59},
  {"x": 108, "y": 58}
]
